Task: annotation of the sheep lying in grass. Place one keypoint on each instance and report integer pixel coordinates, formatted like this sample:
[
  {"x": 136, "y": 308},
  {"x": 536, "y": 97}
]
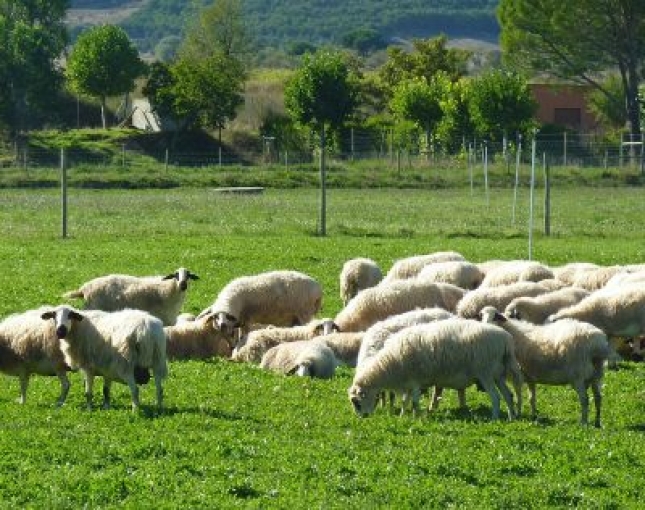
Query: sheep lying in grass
[
  {"x": 119, "y": 346},
  {"x": 280, "y": 298},
  {"x": 568, "y": 272},
  {"x": 537, "y": 309},
  {"x": 378, "y": 303},
  {"x": 160, "y": 296},
  {"x": 452, "y": 353},
  {"x": 596, "y": 278},
  {"x": 516, "y": 271},
  {"x": 29, "y": 346},
  {"x": 344, "y": 345},
  {"x": 411, "y": 266},
  {"x": 197, "y": 339},
  {"x": 252, "y": 346},
  {"x": 304, "y": 358},
  {"x": 499, "y": 297},
  {"x": 563, "y": 353},
  {"x": 356, "y": 275},
  {"x": 457, "y": 272}
]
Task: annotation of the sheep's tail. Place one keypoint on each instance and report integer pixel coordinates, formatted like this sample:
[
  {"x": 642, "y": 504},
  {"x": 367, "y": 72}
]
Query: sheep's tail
[{"x": 72, "y": 294}]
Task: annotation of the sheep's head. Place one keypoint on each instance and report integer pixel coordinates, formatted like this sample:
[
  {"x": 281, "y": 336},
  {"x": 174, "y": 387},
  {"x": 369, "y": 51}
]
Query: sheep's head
[
  {"x": 182, "y": 275},
  {"x": 226, "y": 323},
  {"x": 490, "y": 315},
  {"x": 63, "y": 317},
  {"x": 363, "y": 401},
  {"x": 325, "y": 327}
]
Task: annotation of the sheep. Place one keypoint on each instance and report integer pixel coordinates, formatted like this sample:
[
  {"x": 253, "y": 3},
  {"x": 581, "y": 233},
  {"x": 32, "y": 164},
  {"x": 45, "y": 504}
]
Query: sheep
[
  {"x": 618, "y": 312},
  {"x": 378, "y": 303},
  {"x": 516, "y": 271},
  {"x": 568, "y": 272},
  {"x": 252, "y": 346},
  {"x": 537, "y": 309},
  {"x": 303, "y": 358},
  {"x": 280, "y": 298},
  {"x": 29, "y": 346},
  {"x": 344, "y": 345},
  {"x": 566, "y": 352},
  {"x": 595, "y": 279},
  {"x": 161, "y": 296},
  {"x": 625, "y": 278},
  {"x": 499, "y": 297},
  {"x": 356, "y": 275},
  {"x": 196, "y": 339},
  {"x": 457, "y": 272},
  {"x": 409, "y": 267},
  {"x": 119, "y": 346},
  {"x": 452, "y": 353}
]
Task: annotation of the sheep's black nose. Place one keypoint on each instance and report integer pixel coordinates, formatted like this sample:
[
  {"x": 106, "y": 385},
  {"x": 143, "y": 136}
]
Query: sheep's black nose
[
  {"x": 183, "y": 285},
  {"x": 61, "y": 332}
]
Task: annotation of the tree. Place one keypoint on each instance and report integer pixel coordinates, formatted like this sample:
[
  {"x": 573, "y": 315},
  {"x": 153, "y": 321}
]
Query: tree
[
  {"x": 322, "y": 94},
  {"x": 579, "y": 41},
  {"x": 364, "y": 40},
  {"x": 103, "y": 63},
  {"x": 32, "y": 38},
  {"x": 500, "y": 103}
]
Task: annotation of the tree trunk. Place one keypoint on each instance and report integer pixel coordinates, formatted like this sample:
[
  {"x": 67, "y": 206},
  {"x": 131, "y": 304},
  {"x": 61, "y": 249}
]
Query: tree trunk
[{"x": 323, "y": 183}]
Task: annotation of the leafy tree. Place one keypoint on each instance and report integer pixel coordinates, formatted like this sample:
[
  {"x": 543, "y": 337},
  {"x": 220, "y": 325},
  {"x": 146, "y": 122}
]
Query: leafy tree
[
  {"x": 103, "y": 63},
  {"x": 322, "y": 93},
  {"x": 603, "y": 104},
  {"x": 579, "y": 40},
  {"x": 32, "y": 38},
  {"x": 500, "y": 102},
  {"x": 364, "y": 40},
  {"x": 456, "y": 122}
]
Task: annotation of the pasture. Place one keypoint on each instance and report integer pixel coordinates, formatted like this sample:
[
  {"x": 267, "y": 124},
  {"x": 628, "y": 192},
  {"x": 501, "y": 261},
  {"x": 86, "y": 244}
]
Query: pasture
[{"x": 235, "y": 436}]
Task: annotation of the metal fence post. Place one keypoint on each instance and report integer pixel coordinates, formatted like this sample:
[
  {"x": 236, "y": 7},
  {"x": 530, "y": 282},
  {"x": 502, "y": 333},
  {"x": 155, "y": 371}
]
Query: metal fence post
[{"x": 63, "y": 192}]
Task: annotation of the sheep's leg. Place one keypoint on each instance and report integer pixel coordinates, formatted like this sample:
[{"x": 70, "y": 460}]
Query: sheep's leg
[
  {"x": 89, "y": 385},
  {"x": 159, "y": 390},
  {"x": 532, "y": 399},
  {"x": 508, "y": 397},
  {"x": 134, "y": 391},
  {"x": 416, "y": 396},
  {"x": 489, "y": 387},
  {"x": 24, "y": 384},
  {"x": 435, "y": 399},
  {"x": 64, "y": 389},
  {"x": 597, "y": 400},
  {"x": 461, "y": 395},
  {"x": 107, "y": 386},
  {"x": 583, "y": 397}
]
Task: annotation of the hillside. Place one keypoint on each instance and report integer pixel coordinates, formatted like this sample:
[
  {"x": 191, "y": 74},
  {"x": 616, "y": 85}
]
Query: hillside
[{"x": 278, "y": 23}]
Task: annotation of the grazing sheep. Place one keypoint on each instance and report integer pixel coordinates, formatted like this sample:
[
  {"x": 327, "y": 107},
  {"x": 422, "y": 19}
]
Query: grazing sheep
[
  {"x": 452, "y": 353},
  {"x": 303, "y": 358},
  {"x": 197, "y": 339},
  {"x": 566, "y": 352},
  {"x": 252, "y": 346},
  {"x": 344, "y": 345},
  {"x": 119, "y": 346},
  {"x": 499, "y": 297},
  {"x": 625, "y": 278},
  {"x": 280, "y": 298},
  {"x": 29, "y": 346},
  {"x": 537, "y": 309},
  {"x": 387, "y": 299},
  {"x": 595, "y": 279},
  {"x": 568, "y": 272},
  {"x": 161, "y": 296},
  {"x": 457, "y": 272},
  {"x": 356, "y": 275},
  {"x": 411, "y": 266},
  {"x": 516, "y": 271}
]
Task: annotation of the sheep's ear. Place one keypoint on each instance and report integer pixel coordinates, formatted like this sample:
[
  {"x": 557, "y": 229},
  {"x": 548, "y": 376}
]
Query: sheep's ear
[
  {"x": 335, "y": 327},
  {"x": 500, "y": 317},
  {"x": 292, "y": 371},
  {"x": 193, "y": 276},
  {"x": 75, "y": 316},
  {"x": 48, "y": 315},
  {"x": 170, "y": 276}
]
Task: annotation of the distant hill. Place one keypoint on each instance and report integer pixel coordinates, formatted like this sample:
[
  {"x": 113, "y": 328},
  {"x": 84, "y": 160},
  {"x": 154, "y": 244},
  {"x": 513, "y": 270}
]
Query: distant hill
[{"x": 280, "y": 23}]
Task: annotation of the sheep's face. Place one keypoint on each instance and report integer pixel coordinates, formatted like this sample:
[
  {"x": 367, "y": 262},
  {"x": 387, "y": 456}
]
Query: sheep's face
[
  {"x": 63, "y": 318},
  {"x": 325, "y": 327},
  {"x": 182, "y": 275},
  {"x": 226, "y": 323},
  {"x": 490, "y": 315},
  {"x": 363, "y": 401}
]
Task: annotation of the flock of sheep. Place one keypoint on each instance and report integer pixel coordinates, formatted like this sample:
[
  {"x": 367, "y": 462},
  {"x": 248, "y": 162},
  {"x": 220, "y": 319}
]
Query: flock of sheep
[{"x": 431, "y": 322}]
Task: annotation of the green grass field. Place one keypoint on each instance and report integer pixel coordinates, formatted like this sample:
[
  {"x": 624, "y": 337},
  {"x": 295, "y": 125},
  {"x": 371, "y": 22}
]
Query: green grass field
[{"x": 235, "y": 436}]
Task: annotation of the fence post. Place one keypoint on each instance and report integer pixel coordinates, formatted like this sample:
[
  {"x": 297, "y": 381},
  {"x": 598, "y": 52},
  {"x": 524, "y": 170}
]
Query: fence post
[
  {"x": 547, "y": 197},
  {"x": 123, "y": 155},
  {"x": 642, "y": 153},
  {"x": 166, "y": 158},
  {"x": 486, "y": 173},
  {"x": 531, "y": 195},
  {"x": 518, "y": 159},
  {"x": 564, "y": 156},
  {"x": 63, "y": 192}
]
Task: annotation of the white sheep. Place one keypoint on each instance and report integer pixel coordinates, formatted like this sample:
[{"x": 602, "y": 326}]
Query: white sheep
[
  {"x": 625, "y": 278},
  {"x": 344, "y": 345},
  {"x": 568, "y": 272},
  {"x": 499, "y": 297},
  {"x": 563, "y": 353},
  {"x": 516, "y": 271},
  {"x": 119, "y": 346},
  {"x": 280, "y": 298},
  {"x": 452, "y": 353},
  {"x": 461, "y": 273},
  {"x": 358, "y": 274},
  {"x": 196, "y": 339},
  {"x": 387, "y": 299},
  {"x": 161, "y": 296},
  {"x": 29, "y": 346},
  {"x": 410, "y": 267},
  {"x": 537, "y": 309},
  {"x": 252, "y": 346},
  {"x": 596, "y": 278},
  {"x": 304, "y": 358}
]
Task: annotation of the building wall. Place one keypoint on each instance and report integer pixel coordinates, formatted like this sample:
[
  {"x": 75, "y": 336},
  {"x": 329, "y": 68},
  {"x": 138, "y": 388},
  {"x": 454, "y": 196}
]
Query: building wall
[{"x": 564, "y": 105}]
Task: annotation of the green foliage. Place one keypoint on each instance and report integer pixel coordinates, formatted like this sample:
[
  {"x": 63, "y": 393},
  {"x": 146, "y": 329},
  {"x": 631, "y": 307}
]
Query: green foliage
[
  {"x": 364, "y": 40},
  {"x": 500, "y": 103},
  {"x": 32, "y": 38},
  {"x": 420, "y": 101},
  {"x": 323, "y": 91},
  {"x": 103, "y": 63},
  {"x": 607, "y": 105}
]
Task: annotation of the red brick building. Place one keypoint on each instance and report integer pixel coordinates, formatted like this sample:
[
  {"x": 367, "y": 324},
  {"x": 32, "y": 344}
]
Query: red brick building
[{"x": 564, "y": 105}]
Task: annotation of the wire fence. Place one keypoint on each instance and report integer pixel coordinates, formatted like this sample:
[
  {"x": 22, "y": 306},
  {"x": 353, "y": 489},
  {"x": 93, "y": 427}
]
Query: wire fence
[{"x": 558, "y": 150}]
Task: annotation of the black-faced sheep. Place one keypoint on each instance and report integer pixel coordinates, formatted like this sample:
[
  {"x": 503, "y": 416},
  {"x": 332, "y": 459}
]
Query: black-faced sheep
[
  {"x": 356, "y": 275},
  {"x": 161, "y": 296},
  {"x": 119, "y": 346}
]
